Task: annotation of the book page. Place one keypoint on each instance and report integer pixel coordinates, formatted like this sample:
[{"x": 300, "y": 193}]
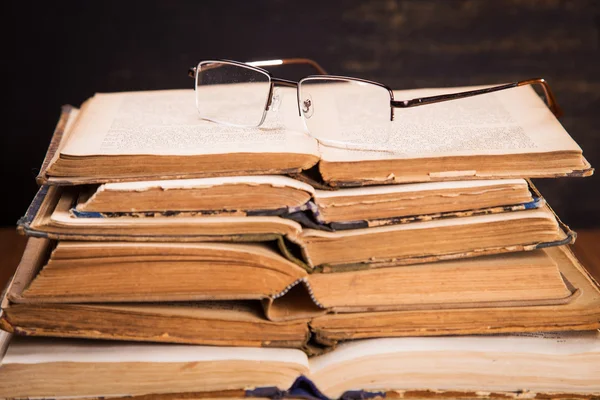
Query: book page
[
  {"x": 166, "y": 122},
  {"x": 562, "y": 343},
  {"x": 54, "y": 153},
  {"x": 273, "y": 180},
  {"x": 417, "y": 187},
  {"x": 511, "y": 121},
  {"x": 62, "y": 217},
  {"x": 37, "y": 350},
  {"x": 541, "y": 213},
  {"x": 218, "y": 310}
]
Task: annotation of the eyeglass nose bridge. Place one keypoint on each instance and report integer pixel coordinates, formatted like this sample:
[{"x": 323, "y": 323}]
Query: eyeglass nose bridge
[{"x": 275, "y": 82}]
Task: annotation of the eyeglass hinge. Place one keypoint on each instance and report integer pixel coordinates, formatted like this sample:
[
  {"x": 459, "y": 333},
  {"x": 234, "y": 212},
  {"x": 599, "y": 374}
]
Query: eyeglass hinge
[{"x": 192, "y": 72}]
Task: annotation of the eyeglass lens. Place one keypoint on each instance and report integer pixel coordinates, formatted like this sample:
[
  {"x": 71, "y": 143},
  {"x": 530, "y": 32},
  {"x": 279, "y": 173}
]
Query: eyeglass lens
[
  {"x": 231, "y": 94},
  {"x": 345, "y": 112}
]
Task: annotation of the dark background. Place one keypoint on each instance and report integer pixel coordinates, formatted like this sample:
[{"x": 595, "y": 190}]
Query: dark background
[{"x": 54, "y": 54}]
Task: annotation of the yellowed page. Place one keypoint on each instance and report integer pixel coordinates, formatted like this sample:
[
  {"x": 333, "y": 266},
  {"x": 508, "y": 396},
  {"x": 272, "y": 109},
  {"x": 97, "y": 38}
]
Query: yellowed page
[
  {"x": 417, "y": 187},
  {"x": 185, "y": 226},
  {"x": 230, "y": 310},
  {"x": 68, "y": 129},
  {"x": 512, "y": 121},
  {"x": 167, "y": 122},
  {"x": 61, "y": 217},
  {"x": 273, "y": 180},
  {"x": 71, "y": 122},
  {"x": 546, "y": 363},
  {"x": 543, "y": 212},
  {"x": 541, "y": 343}
]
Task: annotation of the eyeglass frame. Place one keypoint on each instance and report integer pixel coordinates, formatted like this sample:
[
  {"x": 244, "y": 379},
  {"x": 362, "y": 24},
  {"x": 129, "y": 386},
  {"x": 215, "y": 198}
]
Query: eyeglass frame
[{"x": 420, "y": 101}]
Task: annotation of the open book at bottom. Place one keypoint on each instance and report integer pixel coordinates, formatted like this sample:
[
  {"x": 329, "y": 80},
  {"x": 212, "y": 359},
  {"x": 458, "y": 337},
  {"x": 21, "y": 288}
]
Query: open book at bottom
[
  {"x": 551, "y": 365},
  {"x": 556, "y": 293}
]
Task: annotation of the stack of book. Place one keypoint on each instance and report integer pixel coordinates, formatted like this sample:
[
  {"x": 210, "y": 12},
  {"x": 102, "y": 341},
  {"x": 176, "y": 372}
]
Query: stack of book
[{"x": 209, "y": 261}]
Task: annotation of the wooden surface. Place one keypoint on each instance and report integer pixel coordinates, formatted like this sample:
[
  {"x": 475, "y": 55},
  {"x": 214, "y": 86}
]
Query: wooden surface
[{"x": 587, "y": 249}]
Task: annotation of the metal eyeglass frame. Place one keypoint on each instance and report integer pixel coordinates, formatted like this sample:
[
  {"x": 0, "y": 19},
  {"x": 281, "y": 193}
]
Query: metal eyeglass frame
[{"x": 322, "y": 74}]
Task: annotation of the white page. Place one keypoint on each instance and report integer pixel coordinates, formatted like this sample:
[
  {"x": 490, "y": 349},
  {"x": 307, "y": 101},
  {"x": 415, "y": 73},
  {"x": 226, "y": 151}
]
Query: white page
[
  {"x": 511, "y": 121},
  {"x": 562, "y": 343},
  {"x": 166, "y": 122},
  {"x": 37, "y": 350}
]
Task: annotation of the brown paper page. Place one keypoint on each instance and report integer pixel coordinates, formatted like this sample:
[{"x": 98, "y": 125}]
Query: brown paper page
[
  {"x": 66, "y": 121},
  {"x": 581, "y": 313}
]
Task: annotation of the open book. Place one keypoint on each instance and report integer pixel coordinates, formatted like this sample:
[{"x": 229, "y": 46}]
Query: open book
[
  {"x": 278, "y": 304},
  {"x": 276, "y": 195},
  {"x": 385, "y": 243},
  {"x": 552, "y": 365},
  {"x": 159, "y": 135},
  {"x": 284, "y": 196},
  {"x": 84, "y": 272}
]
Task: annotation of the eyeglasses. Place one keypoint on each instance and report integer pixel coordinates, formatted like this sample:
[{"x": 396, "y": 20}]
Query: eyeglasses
[{"x": 338, "y": 111}]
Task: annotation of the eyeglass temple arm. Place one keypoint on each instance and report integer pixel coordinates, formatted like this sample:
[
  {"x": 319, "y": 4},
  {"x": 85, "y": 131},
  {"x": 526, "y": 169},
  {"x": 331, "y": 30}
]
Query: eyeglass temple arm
[
  {"x": 550, "y": 99},
  {"x": 289, "y": 61},
  {"x": 267, "y": 63}
]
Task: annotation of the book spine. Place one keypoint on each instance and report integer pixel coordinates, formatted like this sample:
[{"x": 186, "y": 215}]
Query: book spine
[
  {"x": 54, "y": 143},
  {"x": 34, "y": 207}
]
